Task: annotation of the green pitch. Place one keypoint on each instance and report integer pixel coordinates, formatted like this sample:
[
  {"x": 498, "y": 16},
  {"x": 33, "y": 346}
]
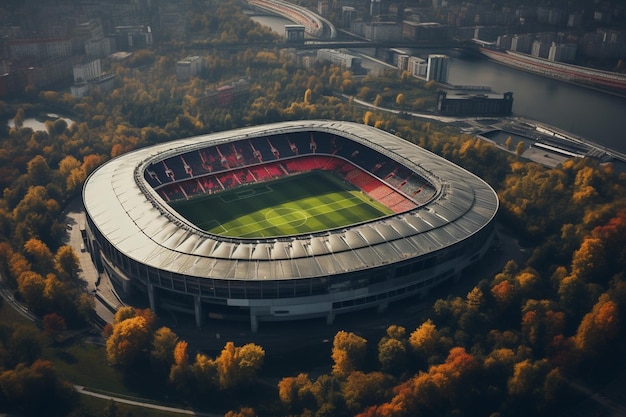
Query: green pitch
[{"x": 304, "y": 203}]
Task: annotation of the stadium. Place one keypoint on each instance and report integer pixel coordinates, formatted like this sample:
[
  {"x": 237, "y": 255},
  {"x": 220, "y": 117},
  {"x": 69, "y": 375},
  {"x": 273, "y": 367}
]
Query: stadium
[{"x": 285, "y": 221}]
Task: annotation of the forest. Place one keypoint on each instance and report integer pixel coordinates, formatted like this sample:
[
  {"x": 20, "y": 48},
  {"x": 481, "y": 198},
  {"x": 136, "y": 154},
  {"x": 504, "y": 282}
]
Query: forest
[{"x": 525, "y": 341}]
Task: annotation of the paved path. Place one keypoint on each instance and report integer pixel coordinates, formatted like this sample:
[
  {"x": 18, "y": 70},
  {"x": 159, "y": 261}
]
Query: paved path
[{"x": 140, "y": 402}]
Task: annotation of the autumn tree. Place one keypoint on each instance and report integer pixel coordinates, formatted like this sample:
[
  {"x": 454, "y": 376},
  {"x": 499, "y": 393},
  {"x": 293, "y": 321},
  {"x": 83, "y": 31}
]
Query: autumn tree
[
  {"x": 520, "y": 148},
  {"x": 129, "y": 338},
  {"x": 53, "y": 325},
  {"x": 36, "y": 390},
  {"x": 181, "y": 374},
  {"x": 238, "y": 366},
  {"x": 162, "y": 353},
  {"x": 428, "y": 343},
  {"x": 23, "y": 346},
  {"x": 400, "y": 100},
  {"x": 362, "y": 390},
  {"x": 39, "y": 254},
  {"x": 348, "y": 353},
  {"x": 599, "y": 328},
  {"x": 31, "y": 287},
  {"x": 296, "y": 393},
  {"x": 242, "y": 412},
  {"x": 66, "y": 263},
  {"x": 206, "y": 374},
  {"x": 392, "y": 349}
]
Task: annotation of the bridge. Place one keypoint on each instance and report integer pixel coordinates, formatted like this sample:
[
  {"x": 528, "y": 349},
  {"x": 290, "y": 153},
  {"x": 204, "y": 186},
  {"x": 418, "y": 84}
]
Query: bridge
[{"x": 328, "y": 44}]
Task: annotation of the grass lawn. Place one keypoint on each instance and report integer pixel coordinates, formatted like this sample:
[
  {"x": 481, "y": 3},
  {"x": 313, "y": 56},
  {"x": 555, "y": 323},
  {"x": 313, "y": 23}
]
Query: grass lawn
[
  {"x": 303, "y": 203},
  {"x": 85, "y": 364}
]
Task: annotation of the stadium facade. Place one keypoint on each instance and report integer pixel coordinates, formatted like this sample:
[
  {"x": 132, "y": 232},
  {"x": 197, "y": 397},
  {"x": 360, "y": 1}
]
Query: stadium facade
[{"x": 443, "y": 222}]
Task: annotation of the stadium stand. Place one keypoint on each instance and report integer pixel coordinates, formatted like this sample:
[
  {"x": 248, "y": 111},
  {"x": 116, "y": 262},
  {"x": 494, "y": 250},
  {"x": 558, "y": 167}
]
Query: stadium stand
[{"x": 221, "y": 167}]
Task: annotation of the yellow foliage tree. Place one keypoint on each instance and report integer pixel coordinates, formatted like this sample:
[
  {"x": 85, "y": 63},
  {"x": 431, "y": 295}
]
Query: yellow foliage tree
[
  {"x": 348, "y": 353},
  {"x": 127, "y": 341}
]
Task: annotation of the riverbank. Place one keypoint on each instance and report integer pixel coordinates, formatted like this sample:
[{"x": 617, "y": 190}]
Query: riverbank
[{"x": 603, "y": 81}]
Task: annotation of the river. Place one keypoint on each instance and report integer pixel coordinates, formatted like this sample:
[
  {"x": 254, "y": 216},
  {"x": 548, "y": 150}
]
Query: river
[{"x": 592, "y": 115}]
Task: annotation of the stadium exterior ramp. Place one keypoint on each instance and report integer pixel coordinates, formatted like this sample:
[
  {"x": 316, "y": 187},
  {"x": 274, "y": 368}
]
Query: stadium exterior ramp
[{"x": 145, "y": 245}]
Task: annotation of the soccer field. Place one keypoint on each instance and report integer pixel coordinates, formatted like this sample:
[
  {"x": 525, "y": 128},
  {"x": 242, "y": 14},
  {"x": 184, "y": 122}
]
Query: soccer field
[{"x": 304, "y": 203}]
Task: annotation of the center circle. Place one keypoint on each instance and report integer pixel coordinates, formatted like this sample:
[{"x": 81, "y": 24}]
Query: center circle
[{"x": 284, "y": 215}]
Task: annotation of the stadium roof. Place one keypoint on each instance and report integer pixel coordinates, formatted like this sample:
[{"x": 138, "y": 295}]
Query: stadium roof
[{"x": 137, "y": 222}]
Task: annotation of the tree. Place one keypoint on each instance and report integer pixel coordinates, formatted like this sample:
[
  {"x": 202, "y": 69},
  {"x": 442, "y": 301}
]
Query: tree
[
  {"x": 428, "y": 343},
  {"x": 348, "y": 354},
  {"x": 363, "y": 390},
  {"x": 206, "y": 375},
  {"x": 599, "y": 328},
  {"x": 181, "y": 374},
  {"x": 368, "y": 118},
  {"x": 31, "y": 287},
  {"x": 163, "y": 343},
  {"x": 127, "y": 341},
  {"x": 528, "y": 378},
  {"x": 296, "y": 393},
  {"x": 392, "y": 349},
  {"x": 508, "y": 142},
  {"x": 36, "y": 390},
  {"x": 520, "y": 148},
  {"x": 23, "y": 346},
  {"x": 53, "y": 325},
  {"x": 243, "y": 412},
  {"x": 238, "y": 366},
  {"x": 40, "y": 255},
  {"x": 66, "y": 263},
  {"x": 400, "y": 100},
  {"x": 18, "y": 119},
  {"x": 124, "y": 313}
]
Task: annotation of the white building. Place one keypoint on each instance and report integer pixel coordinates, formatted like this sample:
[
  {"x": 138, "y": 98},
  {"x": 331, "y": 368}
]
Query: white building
[
  {"x": 418, "y": 67},
  {"x": 87, "y": 71},
  {"x": 338, "y": 58}
]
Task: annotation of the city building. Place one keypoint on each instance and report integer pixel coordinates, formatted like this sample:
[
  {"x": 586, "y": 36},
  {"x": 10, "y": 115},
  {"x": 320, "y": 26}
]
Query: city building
[
  {"x": 128, "y": 38},
  {"x": 429, "y": 31},
  {"x": 87, "y": 71},
  {"x": 348, "y": 15},
  {"x": 189, "y": 67},
  {"x": 294, "y": 33},
  {"x": 481, "y": 104},
  {"x": 377, "y": 31},
  {"x": 418, "y": 67},
  {"x": 562, "y": 52},
  {"x": 341, "y": 59},
  {"x": 438, "y": 68},
  {"x": 39, "y": 49},
  {"x": 100, "y": 47},
  {"x": 104, "y": 83}
]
